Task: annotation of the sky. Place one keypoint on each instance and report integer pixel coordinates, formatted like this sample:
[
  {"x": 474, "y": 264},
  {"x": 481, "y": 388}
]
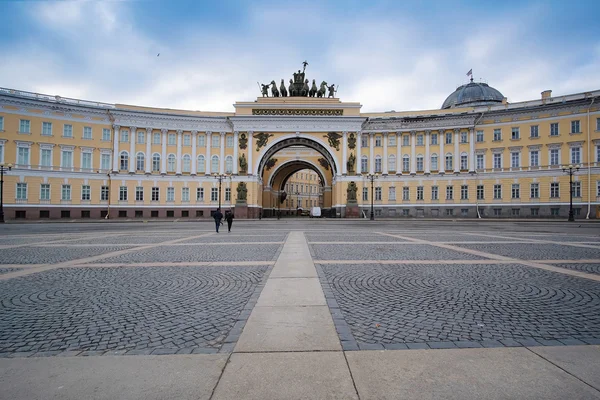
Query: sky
[{"x": 387, "y": 55}]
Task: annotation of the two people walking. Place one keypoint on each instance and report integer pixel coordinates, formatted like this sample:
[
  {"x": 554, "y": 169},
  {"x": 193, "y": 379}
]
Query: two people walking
[{"x": 218, "y": 216}]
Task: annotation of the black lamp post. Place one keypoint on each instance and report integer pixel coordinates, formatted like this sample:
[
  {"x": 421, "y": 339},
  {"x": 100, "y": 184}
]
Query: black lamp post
[
  {"x": 571, "y": 170},
  {"x": 2, "y": 169},
  {"x": 372, "y": 178},
  {"x": 220, "y": 177},
  {"x": 298, "y": 203}
]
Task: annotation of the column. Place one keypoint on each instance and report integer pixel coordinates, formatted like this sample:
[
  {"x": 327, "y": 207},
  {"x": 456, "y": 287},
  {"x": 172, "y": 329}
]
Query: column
[
  {"x": 163, "y": 157},
  {"x": 132, "y": 158},
  {"x": 456, "y": 152},
  {"x": 148, "y": 150},
  {"x": 194, "y": 152},
  {"x": 427, "y": 155},
  {"x": 178, "y": 156},
  {"x": 344, "y": 152},
  {"x": 208, "y": 144},
  {"x": 442, "y": 156},
  {"x": 371, "y": 153},
  {"x": 116, "y": 148},
  {"x": 250, "y": 151},
  {"x": 472, "y": 150},
  {"x": 222, "y": 154},
  {"x": 398, "y": 153},
  {"x": 235, "y": 152},
  {"x": 384, "y": 162},
  {"x": 358, "y": 153},
  {"x": 413, "y": 152}
]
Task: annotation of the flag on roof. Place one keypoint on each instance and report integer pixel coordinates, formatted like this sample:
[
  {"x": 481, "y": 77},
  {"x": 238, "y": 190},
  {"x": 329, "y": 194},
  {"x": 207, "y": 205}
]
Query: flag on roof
[{"x": 470, "y": 72}]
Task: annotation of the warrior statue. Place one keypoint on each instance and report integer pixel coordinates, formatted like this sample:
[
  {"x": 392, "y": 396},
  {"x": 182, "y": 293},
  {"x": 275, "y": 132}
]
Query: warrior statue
[
  {"x": 351, "y": 192},
  {"x": 331, "y": 91},
  {"x": 243, "y": 163},
  {"x": 242, "y": 192},
  {"x": 283, "y": 90},
  {"x": 313, "y": 89},
  {"x": 351, "y": 163},
  {"x": 274, "y": 91},
  {"x": 265, "y": 90}
]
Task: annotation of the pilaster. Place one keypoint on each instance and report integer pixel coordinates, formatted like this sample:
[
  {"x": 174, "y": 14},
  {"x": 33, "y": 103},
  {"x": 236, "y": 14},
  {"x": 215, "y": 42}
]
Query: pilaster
[
  {"x": 222, "y": 153},
  {"x": 442, "y": 156},
  {"x": 235, "y": 152},
  {"x": 208, "y": 155},
  {"x": 456, "y": 157},
  {"x": 344, "y": 152},
  {"x": 163, "y": 157},
  {"x": 178, "y": 156},
  {"x": 427, "y": 155},
  {"x": 132, "y": 157},
  {"x": 148, "y": 160},
  {"x": 116, "y": 155},
  {"x": 413, "y": 152},
  {"x": 384, "y": 162},
  {"x": 194, "y": 166}
]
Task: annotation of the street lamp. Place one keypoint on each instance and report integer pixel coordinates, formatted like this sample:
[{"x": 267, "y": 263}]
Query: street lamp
[
  {"x": 571, "y": 170},
  {"x": 108, "y": 198},
  {"x": 220, "y": 177},
  {"x": 2, "y": 169},
  {"x": 298, "y": 203},
  {"x": 372, "y": 177}
]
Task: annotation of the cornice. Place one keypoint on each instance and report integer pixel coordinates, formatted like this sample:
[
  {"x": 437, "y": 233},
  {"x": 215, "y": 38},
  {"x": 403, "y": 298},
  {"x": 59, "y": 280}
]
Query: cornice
[
  {"x": 297, "y": 124},
  {"x": 171, "y": 122},
  {"x": 396, "y": 124}
]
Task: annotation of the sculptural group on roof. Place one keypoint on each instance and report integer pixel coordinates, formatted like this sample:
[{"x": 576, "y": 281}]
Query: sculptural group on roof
[{"x": 299, "y": 87}]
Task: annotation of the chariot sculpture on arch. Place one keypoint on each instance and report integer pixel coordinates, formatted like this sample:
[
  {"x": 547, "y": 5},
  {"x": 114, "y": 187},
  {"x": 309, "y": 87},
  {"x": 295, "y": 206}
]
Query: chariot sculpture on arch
[{"x": 299, "y": 86}]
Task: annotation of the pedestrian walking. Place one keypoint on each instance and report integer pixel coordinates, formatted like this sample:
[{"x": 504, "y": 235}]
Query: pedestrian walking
[
  {"x": 229, "y": 218},
  {"x": 218, "y": 216}
]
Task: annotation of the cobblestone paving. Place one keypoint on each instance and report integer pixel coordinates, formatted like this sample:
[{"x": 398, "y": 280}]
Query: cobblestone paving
[
  {"x": 358, "y": 238},
  {"x": 457, "y": 237},
  {"x": 589, "y": 268},
  {"x": 537, "y": 251},
  {"x": 164, "y": 310},
  {"x": 15, "y": 240},
  {"x": 557, "y": 238},
  {"x": 8, "y": 270},
  {"x": 126, "y": 239},
  {"x": 52, "y": 255},
  {"x": 191, "y": 253},
  {"x": 387, "y": 252},
  {"x": 444, "y": 306}
]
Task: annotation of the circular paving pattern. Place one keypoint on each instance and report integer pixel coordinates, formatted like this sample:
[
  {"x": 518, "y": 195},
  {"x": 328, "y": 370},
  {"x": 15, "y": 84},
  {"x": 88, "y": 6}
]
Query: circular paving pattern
[
  {"x": 123, "y": 308},
  {"x": 439, "y": 303}
]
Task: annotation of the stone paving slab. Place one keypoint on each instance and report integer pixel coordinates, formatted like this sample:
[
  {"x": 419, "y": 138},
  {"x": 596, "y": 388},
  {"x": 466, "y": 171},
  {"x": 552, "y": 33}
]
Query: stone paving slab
[
  {"x": 455, "y": 237},
  {"x": 345, "y": 237},
  {"x": 286, "y": 292},
  {"x": 180, "y": 377},
  {"x": 537, "y": 251},
  {"x": 580, "y": 361},
  {"x": 266, "y": 376},
  {"x": 462, "y": 374},
  {"x": 54, "y": 254},
  {"x": 387, "y": 252}
]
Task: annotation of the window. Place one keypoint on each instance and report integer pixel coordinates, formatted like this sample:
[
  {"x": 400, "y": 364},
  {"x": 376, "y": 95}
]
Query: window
[
  {"x": 479, "y": 137},
  {"x": 554, "y": 190},
  {"x": 365, "y": 194},
  {"x": 171, "y": 139},
  {"x": 497, "y": 160},
  {"x": 405, "y": 212},
  {"x": 449, "y": 192},
  {"x": 434, "y": 138},
  {"x": 554, "y": 129},
  {"x": 534, "y": 212},
  {"x": 497, "y": 135},
  {"x": 555, "y": 212},
  {"x": 201, "y": 140},
  {"x": 228, "y": 194},
  {"x": 391, "y": 193},
  {"x": 187, "y": 140},
  {"x": 516, "y": 212},
  {"x": 378, "y": 164},
  {"x": 67, "y": 159},
  {"x": 464, "y": 137},
  {"x": 122, "y": 213},
  {"x": 155, "y": 194},
  {"x": 215, "y": 140},
  {"x": 480, "y": 192},
  {"x": 575, "y": 127},
  {"x": 405, "y": 140},
  {"x": 480, "y": 161},
  {"x": 200, "y": 164},
  {"x": 420, "y": 163},
  {"x": 47, "y": 128},
  {"x": 391, "y": 163},
  {"x": 515, "y": 134},
  {"x": 516, "y": 191},
  {"x": 65, "y": 193},
  {"x": 449, "y": 161},
  {"x": 199, "y": 194},
  {"x": 87, "y": 132},
  {"x": 46, "y": 158},
  {"x": 515, "y": 159},
  {"x": 1, "y": 123},
  {"x": 21, "y": 191},
  {"x": 464, "y": 192},
  {"x": 214, "y": 164},
  {"x": 140, "y": 137},
  {"x": 434, "y": 193},
  {"x": 171, "y": 163},
  {"x": 214, "y": 194},
  {"x": 123, "y": 193},
  {"x": 597, "y": 153},
  {"x": 534, "y": 191},
  {"x": 185, "y": 194},
  {"x": 378, "y": 141},
  {"x": 449, "y": 212},
  {"x": 229, "y": 165},
  {"x": 364, "y": 141},
  {"x": 155, "y": 162},
  {"x": 554, "y": 157},
  {"x": 534, "y": 131},
  {"x": 419, "y": 192},
  {"x": 577, "y": 189},
  {"x": 229, "y": 141},
  {"x": 405, "y": 163},
  {"x": 85, "y": 193},
  {"x": 156, "y": 138},
  {"x": 86, "y": 161},
  {"x": 45, "y": 191},
  {"x": 124, "y": 161},
  {"x": 186, "y": 163},
  {"x": 448, "y": 137},
  {"x": 139, "y": 193},
  {"x": 534, "y": 158},
  {"x": 497, "y": 191},
  {"x": 104, "y": 193},
  {"x": 105, "y": 135},
  {"x": 364, "y": 167},
  {"x": 597, "y": 124},
  {"x": 434, "y": 162},
  {"x": 406, "y": 193},
  {"x": 575, "y": 155},
  {"x": 464, "y": 162},
  {"x": 124, "y": 136},
  {"x": 377, "y": 194},
  {"x": 24, "y": 126},
  {"x": 170, "y": 194},
  {"x": 391, "y": 140},
  {"x": 420, "y": 140},
  {"x": 23, "y": 155}
]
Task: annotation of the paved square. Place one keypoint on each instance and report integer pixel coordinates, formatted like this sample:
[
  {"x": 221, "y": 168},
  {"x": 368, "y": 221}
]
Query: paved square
[
  {"x": 536, "y": 251},
  {"x": 387, "y": 252},
  {"x": 54, "y": 254}
]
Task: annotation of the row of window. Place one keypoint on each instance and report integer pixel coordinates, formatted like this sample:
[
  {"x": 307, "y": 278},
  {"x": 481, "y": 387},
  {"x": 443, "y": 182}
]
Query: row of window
[
  {"x": 289, "y": 187},
  {"x": 186, "y": 163},
  {"x": 172, "y": 139},
  {"x": 289, "y": 203},
  {"x": 308, "y": 176},
  {"x": 66, "y": 158},
  {"x": 67, "y": 130},
  {"x": 464, "y": 212}
]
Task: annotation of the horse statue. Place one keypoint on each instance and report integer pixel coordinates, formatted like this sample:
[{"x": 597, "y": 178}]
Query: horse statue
[
  {"x": 313, "y": 89},
  {"x": 283, "y": 90},
  {"x": 291, "y": 90},
  {"x": 305, "y": 89},
  {"x": 274, "y": 91},
  {"x": 322, "y": 90}
]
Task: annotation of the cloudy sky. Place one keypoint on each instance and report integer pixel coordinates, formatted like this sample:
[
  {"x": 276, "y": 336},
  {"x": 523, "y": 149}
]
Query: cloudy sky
[{"x": 387, "y": 55}]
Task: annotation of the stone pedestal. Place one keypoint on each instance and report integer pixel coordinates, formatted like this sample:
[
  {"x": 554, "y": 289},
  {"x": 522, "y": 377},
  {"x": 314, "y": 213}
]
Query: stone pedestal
[
  {"x": 352, "y": 210},
  {"x": 241, "y": 211}
]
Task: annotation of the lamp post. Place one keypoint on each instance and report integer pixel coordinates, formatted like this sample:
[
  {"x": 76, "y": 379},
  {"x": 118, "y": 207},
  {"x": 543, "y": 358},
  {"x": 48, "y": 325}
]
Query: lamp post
[
  {"x": 109, "y": 193},
  {"x": 298, "y": 203},
  {"x": 372, "y": 177},
  {"x": 220, "y": 177},
  {"x": 571, "y": 170},
  {"x": 2, "y": 169}
]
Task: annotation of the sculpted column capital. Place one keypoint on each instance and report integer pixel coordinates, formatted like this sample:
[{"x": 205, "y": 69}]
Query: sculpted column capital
[
  {"x": 471, "y": 129},
  {"x": 148, "y": 130},
  {"x": 208, "y": 133},
  {"x": 164, "y": 130},
  {"x": 385, "y": 134},
  {"x": 456, "y": 130},
  {"x": 442, "y": 131},
  {"x": 413, "y": 132},
  {"x": 116, "y": 127},
  {"x": 250, "y": 133},
  {"x": 235, "y": 133},
  {"x": 427, "y": 131},
  {"x": 194, "y": 132},
  {"x": 179, "y": 131},
  {"x": 222, "y": 134},
  {"x": 133, "y": 129}
]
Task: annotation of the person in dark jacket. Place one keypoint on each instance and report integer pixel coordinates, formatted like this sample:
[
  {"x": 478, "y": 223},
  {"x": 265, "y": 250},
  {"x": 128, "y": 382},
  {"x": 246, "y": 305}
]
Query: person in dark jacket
[
  {"x": 229, "y": 218},
  {"x": 218, "y": 216}
]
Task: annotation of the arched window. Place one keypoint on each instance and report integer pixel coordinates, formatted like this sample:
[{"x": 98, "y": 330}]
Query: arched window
[
  {"x": 155, "y": 162},
  {"x": 364, "y": 164},
  {"x": 229, "y": 165},
  {"x": 214, "y": 164},
  {"x": 378, "y": 164},
  {"x": 124, "y": 161},
  {"x": 420, "y": 163},
  {"x": 449, "y": 161},
  {"x": 171, "y": 163},
  {"x": 187, "y": 163},
  {"x": 392, "y": 163},
  {"x": 200, "y": 164},
  {"x": 434, "y": 162},
  {"x": 139, "y": 161},
  {"x": 405, "y": 163}
]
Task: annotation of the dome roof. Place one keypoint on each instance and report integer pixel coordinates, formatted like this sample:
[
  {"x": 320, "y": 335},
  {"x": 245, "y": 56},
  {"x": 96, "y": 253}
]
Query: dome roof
[{"x": 473, "y": 94}]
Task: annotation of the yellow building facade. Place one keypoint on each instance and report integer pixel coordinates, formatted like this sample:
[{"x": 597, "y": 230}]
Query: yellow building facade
[{"x": 477, "y": 156}]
